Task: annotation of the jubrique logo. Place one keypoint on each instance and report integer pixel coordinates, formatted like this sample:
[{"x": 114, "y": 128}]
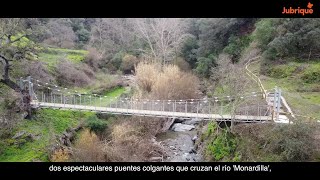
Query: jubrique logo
[{"x": 291, "y": 10}]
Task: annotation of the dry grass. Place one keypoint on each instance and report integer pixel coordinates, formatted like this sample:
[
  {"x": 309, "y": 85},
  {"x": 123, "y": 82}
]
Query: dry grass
[
  {"x": 130, "y": 139},
  {"x": 70, "y": 75},
  {"x": 93, "y": 58},
  {"x": 146, "y": 75},
  {"x": 88, "y": 148},
  {"x": 170, "y": 83},
  {"x": 60, "y": 155},
  {"x": 275, "y": 142}
]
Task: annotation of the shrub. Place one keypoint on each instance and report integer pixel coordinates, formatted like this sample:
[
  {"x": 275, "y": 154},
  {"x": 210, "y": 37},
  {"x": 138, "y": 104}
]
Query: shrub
[
  {"x": 175, "y": 84},
  {"x": 182, "y": 64},
  {"x": 128, "y": 63},
  {"x": 146, "y": 75},
  {"x": 265, "y": 32},
  {"x": 276, "y": 142},
  {"x": 69, "y": 75},
  {"x": 222, "y": 146},
  {"x": 67, "y": 44},
  {"x": 36, "y": 69},
  {"x": 88, "y": 148},
  {"x": 131, "y": 140},
  {"x": 311, "y": 76},
  {"x": 117, "y": 60},
  {"x": 87, "y": 70},
  {"x": 281, "y": 71},
  {"x": 236, "y": 46},
  {"x": 92, "y": 58},
  {"x": 60, "y": 155},
  {"x": 3, "y": 146},
  {"x": 95, "y": 124},
  {"x": 204, "y": 65},
  {"x": 170, "y": 83}
]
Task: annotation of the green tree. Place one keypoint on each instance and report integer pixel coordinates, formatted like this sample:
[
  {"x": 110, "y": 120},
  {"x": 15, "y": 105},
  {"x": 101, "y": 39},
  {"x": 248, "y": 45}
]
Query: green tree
[
  {"x": 290, "y": 37},
  {"x": 189, "y": 50},
  {"x": 205, "y": 64}
]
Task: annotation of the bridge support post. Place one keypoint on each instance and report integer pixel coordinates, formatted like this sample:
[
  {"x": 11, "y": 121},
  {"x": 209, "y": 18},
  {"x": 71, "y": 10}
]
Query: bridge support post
[
  {"x": 162, "y": 105},
  {"x": 198, "y": 108},
  {"x": 152, "y": 102},
  {"x": 51, "y": 96},
  {"x": 274, "y": 103},
  {"x": 278, "y": 103},
  {"x": 30, "y": 87},
  {"x": 186, "y": 107}
]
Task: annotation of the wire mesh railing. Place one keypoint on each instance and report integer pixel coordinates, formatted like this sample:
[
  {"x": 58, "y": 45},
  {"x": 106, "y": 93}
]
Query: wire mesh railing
[{"x": 249, "y": 104}]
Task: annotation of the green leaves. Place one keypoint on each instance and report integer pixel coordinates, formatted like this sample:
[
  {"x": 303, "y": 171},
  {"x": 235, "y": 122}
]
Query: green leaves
[
  {"x": 204, "y": 65},
  {"x": 95, "y": 124},
  {"x": 222, "y": 146},
  {"x": 236, "y": 46},
  {"x": 281, "y": 38}
]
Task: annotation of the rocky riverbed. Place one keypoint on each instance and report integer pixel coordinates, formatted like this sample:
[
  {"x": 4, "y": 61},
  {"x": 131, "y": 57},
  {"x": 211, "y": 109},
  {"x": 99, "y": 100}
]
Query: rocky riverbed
[{"x": 179, "y": 141}]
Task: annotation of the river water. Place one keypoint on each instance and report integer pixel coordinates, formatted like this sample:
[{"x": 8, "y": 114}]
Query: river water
[{"x": 179, "y": 146}]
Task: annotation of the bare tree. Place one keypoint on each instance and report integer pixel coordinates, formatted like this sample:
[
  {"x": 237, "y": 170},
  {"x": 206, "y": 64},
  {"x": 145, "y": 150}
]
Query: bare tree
[
  {"x": 162, "y": 36},
  {"x": 61, "y": 33},
  {"x": 233, "y": 81},
  {"x": 111, "y": 35}
]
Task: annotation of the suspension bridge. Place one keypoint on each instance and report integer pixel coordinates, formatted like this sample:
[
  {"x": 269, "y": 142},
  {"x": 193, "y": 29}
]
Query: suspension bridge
[{"x": 250, "y": 107}]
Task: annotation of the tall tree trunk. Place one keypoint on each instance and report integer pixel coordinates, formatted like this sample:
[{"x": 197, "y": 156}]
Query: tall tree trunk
[{"x": 26, "y": 99}]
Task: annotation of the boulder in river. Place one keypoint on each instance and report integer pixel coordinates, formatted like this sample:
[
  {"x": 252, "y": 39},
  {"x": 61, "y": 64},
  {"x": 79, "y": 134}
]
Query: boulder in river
[{"x": 178, "y": 127}]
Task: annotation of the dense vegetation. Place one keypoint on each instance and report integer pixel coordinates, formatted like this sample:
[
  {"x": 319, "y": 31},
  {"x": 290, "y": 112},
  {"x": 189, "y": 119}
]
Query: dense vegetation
[{"x": 170, "y": 59}]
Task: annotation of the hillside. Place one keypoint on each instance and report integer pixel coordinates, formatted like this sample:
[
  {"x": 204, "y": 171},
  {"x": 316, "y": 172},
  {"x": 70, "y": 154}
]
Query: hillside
[
  {"x": 298, "y": 83},
  {"x": 158, "y": 67}
]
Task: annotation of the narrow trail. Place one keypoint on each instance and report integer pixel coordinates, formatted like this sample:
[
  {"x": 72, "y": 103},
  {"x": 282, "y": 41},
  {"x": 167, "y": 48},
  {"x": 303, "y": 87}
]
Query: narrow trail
[{"x": 262, "y": 89}]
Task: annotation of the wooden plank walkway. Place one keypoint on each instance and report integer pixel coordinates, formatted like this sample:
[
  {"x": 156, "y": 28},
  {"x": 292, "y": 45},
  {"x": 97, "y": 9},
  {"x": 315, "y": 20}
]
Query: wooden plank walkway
[{"x": 153, "y": 113}]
